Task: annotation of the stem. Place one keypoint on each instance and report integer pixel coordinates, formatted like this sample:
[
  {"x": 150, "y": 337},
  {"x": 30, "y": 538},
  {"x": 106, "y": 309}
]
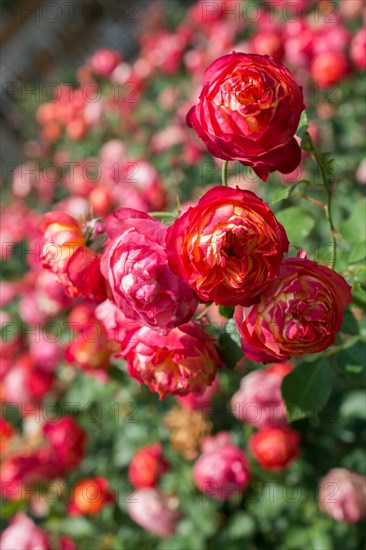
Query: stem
[
  {"x": 224, "y": 172},
  {"x": 203, "y": 312},
  {"x": 329, "y": 191},
  {"x": 163, "y": 215}
]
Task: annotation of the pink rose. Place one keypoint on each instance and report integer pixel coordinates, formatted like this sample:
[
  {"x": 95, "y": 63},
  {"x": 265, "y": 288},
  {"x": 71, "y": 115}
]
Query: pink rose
[
  {"x": 185, "y": 360},
  {"x": 259, "y": 401},
  {"x": 135, "y": 264},
  {"x": 222, "y": 470},
  {"x": 154, "y": 511},
  {"x": 301, "y": 312},
  {"x": 342, "y": 495},
  {"x": 23, "y": 534},
  {"x": 104, "y": 60}
]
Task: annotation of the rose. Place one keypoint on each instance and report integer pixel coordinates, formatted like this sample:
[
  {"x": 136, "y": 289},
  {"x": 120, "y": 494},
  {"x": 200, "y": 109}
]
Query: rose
[
  {"x": 222, "y": 470},
  {"x": 185, "y": 360},
  {"x": 274, "y": 448},
  {"x": 104, "y": 61},
  {"x": 228, "y": 247},
  {"x": 136, "y": 266},
  {"x": 146, "y": 466},
  {"x": 155, "y": 511},
  {"x": 259, "y": 401},
  {"x": 63, "y": 236},
  {"x": 299, "y": 313},
  {"x": 249, "y": 110},
  {"x": 89, "y": 496},
  {"x": 65, "y": 253},
  {"x": 67, "y": 442},
  {"x": 342, "y": 495},
  {"x": 23, "y": 534}
]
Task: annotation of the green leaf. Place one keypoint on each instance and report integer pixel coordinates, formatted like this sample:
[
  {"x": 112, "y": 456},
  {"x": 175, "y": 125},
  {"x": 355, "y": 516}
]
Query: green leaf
[
  {"x": 297, "y": 222},
  {"x": 227, "y": 311},
  {"x": 241, "y": 525},
  {"x": 358, "y": 252},
  {"x": 351, "y": 361},
  {"x": 303, "y": 125},
  {"x": 355, "y": 225},
  {"x": 229, "y": 343},
  {"x": 306, "y": 389},
  {"x": 117, "y": 374},
  {"x": 354, "y": 405},
  {"x": 349, "y": 325},
  {"x": 282, "y": 193}
]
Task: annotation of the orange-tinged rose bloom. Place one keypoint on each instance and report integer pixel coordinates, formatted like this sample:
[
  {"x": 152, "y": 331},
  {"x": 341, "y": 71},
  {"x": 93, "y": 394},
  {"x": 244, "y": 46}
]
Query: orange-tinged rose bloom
[
  {"x": 249, "y": 110},
  {"x": 274, "y": 448},
  {"x": 301, "y": 312},
  {"x": 90, "y": 496},
  {"x": 228, "y": 247},
  {"x": 63, "y": 237},
  {"x": 65, "y": 254}
]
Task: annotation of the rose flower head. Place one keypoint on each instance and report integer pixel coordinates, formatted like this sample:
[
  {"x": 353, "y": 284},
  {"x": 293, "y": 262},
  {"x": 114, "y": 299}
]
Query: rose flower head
[
  {"x": 183, "y": 361},
  {"x": 136, "y": 266},
  {"x": 274, "y": 448},
  {"x": 146, "y": 466},
  {"x": 222, "y": 470},
  {"x": 249, "y": 110},
  {"x": 228, "y": 247},
  {"x": 301, "y": 312}
]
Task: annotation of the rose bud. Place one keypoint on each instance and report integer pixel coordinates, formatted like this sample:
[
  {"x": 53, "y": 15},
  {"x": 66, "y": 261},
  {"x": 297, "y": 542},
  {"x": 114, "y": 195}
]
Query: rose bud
[
  {"x": 104, "y": 61},
  {"x": 299, "y": 313},
  {"x": 249, "y": 110},
  {"x": 342, "y": 495},
  {"x": 328, "y": 68},
  {"x": 22, "y": 533},
  {"x": 67, "y": 442},
  {"x": 222, "y": 470},
  {"x": 185, "y": 360},
  {"x": 274, "y": 448},
  {"x": 258, "y": 401},
  {"x": 155, "y": 511},
  {"x": 135, "y": 264},
  {"x": 146, "y": 466},
  {"x": 89, "y": 496},
  {"x": 228, "y": 247}
]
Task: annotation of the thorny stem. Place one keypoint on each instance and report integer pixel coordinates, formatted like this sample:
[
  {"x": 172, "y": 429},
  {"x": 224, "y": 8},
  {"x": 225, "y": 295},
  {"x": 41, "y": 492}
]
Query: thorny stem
[{"x": 329, "y": 191}]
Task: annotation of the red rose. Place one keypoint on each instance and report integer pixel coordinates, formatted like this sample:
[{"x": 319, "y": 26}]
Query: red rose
[
  {"x": 228, "y": 247},
  {"x": 274, "y": 448},
  {"x": 300, "y": 312},
  {"x": 67, "y": 441},
  {"x": 146, "y": 466},
  {"x": 249, "y": 110}
]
